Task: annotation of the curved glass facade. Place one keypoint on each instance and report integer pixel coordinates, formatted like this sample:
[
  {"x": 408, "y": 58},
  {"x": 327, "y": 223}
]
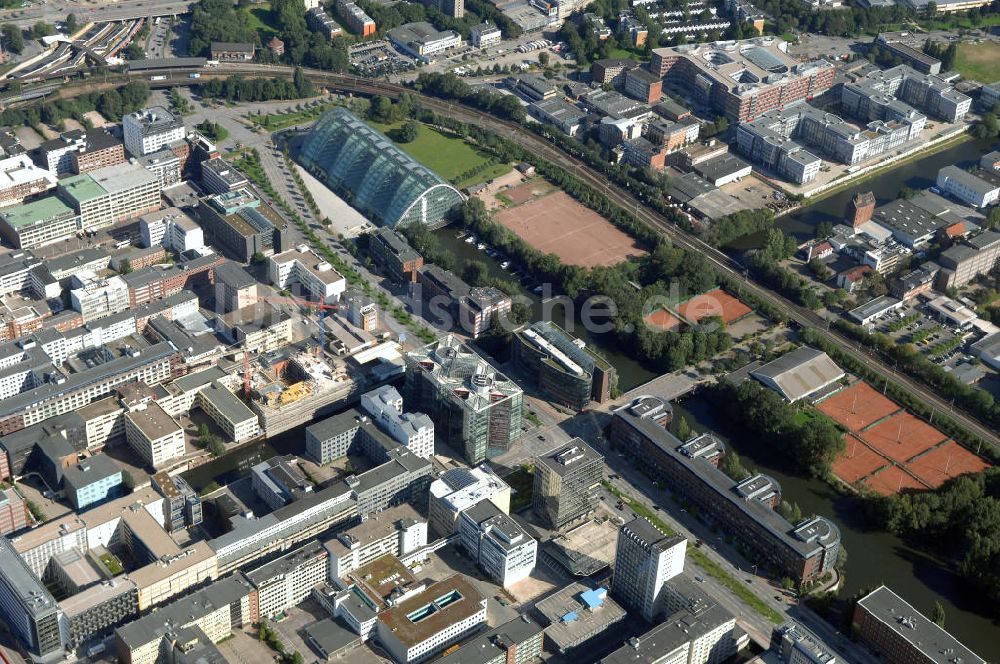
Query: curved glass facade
[{"x": 384, "y": 182}]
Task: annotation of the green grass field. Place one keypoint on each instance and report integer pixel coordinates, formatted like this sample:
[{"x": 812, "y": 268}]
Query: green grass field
[
  {"x": 980, "y": 62},
  {"x": 262, "y": 21},
  {"x": 448, "y": 156}
]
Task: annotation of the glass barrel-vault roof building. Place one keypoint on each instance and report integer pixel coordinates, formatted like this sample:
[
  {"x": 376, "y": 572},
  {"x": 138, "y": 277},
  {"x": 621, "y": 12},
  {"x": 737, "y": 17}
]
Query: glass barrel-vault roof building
[{"x": 383, "y": 182}]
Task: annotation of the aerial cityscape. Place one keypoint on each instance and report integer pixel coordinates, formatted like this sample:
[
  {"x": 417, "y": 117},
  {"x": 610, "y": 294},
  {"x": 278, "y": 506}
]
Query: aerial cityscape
[{"x": 500, "y": 331}]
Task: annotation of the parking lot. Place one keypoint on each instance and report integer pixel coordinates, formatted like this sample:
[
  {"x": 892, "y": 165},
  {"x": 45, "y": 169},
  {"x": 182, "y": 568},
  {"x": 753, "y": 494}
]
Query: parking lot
[{"x": 379, "y": 58}]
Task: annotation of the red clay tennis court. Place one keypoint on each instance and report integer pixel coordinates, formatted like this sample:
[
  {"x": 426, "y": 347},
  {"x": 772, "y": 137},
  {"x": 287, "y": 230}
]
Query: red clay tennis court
[
  {"x": 558, "y": 224},
  {"x": 714, "y": 303},
  {"x": 945, "y": 462},
  {"x": 856, "y": 461},
  {"x": 857, "y": 406},
  {"x": 662, "y": 319},
  {"x": 892, "y": 480},
  {"x": 902, "y": 436}
]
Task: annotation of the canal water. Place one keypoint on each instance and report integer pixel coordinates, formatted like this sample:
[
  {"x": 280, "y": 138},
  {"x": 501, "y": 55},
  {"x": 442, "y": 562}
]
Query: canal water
[
  {"x": 918, "y": 174},
  {"x": 873, "y": 557}
]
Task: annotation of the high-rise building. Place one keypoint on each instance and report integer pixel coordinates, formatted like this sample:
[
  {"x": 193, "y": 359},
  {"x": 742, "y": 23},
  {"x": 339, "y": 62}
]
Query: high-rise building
[
  {"x": 860, "y": 208},
  {"x": 567, "y": 483},
  {"x": 458, "y": 489},
  {"x": 645, "y": 559},
  {"x": 474, "y": 407},
  {"x": 29, "y": 610}
]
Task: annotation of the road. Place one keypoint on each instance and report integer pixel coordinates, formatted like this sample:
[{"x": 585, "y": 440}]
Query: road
[{"x": 91, "y": 10}]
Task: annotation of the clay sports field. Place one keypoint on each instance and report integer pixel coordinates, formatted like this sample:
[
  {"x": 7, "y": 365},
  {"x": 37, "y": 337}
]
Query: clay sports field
[
  {"x": 661, "y": 319},
  {"x": 889, "y": 449},
  {"x": 713, "y": 303},
  {"x": 559, "y": 225}
]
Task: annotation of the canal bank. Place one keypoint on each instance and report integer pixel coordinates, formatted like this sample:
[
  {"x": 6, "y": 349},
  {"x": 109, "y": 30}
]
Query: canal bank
[
  {"x": 919, "y": 173},
  {"x": 873, "y": 557}
]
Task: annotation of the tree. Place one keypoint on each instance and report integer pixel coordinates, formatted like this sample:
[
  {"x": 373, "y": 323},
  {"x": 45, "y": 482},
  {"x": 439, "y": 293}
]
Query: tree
[
  {"x": 42, "y": 29},
  {"x": 258, "y": 258},
  {"x": 681, "y": 428},
  {"x": 297, "y": 657},
  {"x": 408, "y": 132},
  {"x": 733, "y": 467},
  {"x": 13, "y": 39},
  {"x": 543, "y": 58},
  {"x": 126, "y": 267},
  {"x": 993, "y": 218},
  {"x": 71, "y": 25},
  {"x": 937, "y": 616}
]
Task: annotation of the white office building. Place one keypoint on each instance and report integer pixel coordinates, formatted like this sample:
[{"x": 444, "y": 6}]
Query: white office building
[
  {"x": 96, "y": 297},
  {"x": 302, "y": 267},
  {"x": 967, "y": 187},
  {"x": 150, "y": 129},
  {"x": 501, "y": 547},
  {"x": 458, "y": 489},
  {"x": 397, "y": 531},
  {"x": 414, "y": 430}
]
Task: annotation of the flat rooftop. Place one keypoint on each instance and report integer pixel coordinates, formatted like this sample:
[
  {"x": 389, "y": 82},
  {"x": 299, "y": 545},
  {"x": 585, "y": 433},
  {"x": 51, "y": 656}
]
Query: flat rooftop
[
  {"x": 442, "y": 604},
  {"x": 574, "y": 620},
  {"x": 153, "y": 421}
]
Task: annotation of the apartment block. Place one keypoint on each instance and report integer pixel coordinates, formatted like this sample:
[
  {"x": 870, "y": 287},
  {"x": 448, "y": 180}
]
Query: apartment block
[
  {"x": 355, "y": 18},
  {"x": 899, "y": 89},
  {"x": 567, "y": 484},
  {"x": 961, "y": 263},
  {"x": 219, "y": 177},
  {"x": 92, "y": 481},
  {"x": 100, "y": 149}
]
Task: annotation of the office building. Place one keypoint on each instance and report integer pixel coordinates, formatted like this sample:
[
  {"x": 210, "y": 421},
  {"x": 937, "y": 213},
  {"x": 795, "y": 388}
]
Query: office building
[
  {"x": 38, "y": 223},
  {"x": 56, "y": 153},
  {"x": 414, "y": 431},
  {"x": 93, "y": 481},
  {"x": 567, "y": 370},
  {"x": 92, "y": 616},
  {"x": 476, "y": 409},
  {"x": 398, "y": 531},
  {"x": 504, "y": 551},
  {"x": 477, "y": 309},
  {"x": 181, "y": 504},
  {"x": 155, "y": 436},
  {"x": 20, "y": 178},
  {"x": 741, "y": 79},
  {"x": 422, "y": 40},
  {"x": 567, "y": 484},
  {"x": 97, "y": 297},
  {"x": 458, "y": 489},
  {"x": 484, "y": 35},
  {"x": 393, "y": 255},
  {"x": 639, "y": 83},
  {"x": 214, "y": 611},
  {"x": 343, "y": 152},
  {"x": 559, "y": 113},
  {"x": 966, "y": 187},
  {"x": 235, "y": 288},
  {"x": 579, "y": 615},
  {"x": 150, "y": 129},
  {"x": 421, "y": 626},
  {"x": 286, "y": 581},
  {"x": 961, "y": 263},
  {"x": 13, "y": 511},
  {"x": 278, "y": 481},
  {"x": 242, "y": 225},
  {"x": 899, "y": 634},
  {"x": 29, "y": 610},
  {"x": 219, "y": 177},
  {"x": 302, "y": 270},
  {"x": 100, "y": 149},
  {"x": 696, "y": 630},
  {"x": 793, "y": 644},
  {"x": 231, "y": 51},
  {"x": 645, "y": 559},
  {"x": 745, "y": 510},
  {"x": 108, "y": 195},
  {"x": 259, "y": 328},
  {"x": 362, "y": 311}
]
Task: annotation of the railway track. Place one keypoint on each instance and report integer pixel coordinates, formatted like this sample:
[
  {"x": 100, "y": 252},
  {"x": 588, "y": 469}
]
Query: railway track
[{"x": 725, "y": 264}]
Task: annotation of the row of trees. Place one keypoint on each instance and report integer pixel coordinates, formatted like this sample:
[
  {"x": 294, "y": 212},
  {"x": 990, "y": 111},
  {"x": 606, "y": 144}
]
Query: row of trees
[
  {"x": 239, "y": 88},
  {"x": 112, "y": 104},
  {"x": 960, "y": 519},
  {"x": 450, "y": 86},
  {"x": 807, "y": 444}
]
